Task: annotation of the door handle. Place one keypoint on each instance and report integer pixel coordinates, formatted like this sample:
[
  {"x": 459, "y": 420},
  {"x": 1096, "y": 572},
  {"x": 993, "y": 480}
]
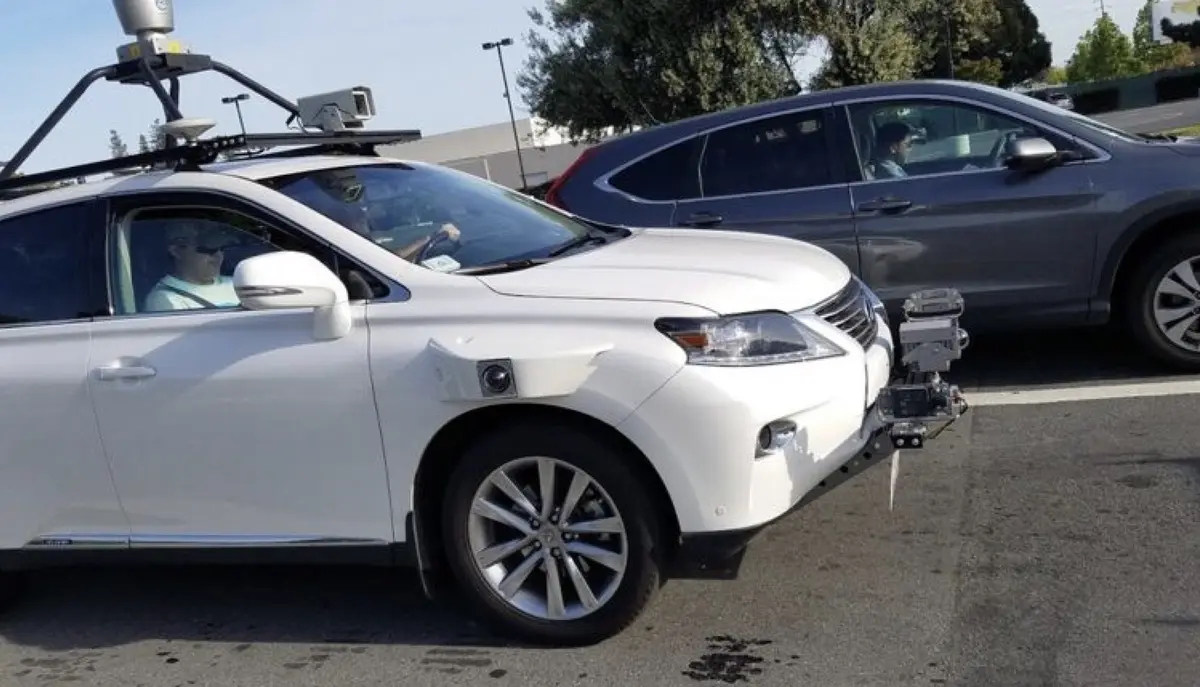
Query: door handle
[
  {"x": 702, "y": 219},
  {"x": 125, "y": 372},
  {"x": 886, "y": 204}
]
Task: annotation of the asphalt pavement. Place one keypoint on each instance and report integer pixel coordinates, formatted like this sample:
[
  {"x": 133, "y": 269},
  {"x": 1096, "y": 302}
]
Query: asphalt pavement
[
  {"x": 1029, "y": 545},
  {"x": 1148, "y": 120}
]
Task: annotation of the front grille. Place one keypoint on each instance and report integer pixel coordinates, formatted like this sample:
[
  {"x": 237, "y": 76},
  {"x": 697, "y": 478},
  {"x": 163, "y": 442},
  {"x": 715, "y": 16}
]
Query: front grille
[{"x": 851, "y": 312}]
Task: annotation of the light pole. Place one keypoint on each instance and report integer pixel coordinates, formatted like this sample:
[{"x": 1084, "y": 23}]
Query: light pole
[
  {"x": 499, "y": 46},
  {"x": 236, "y": 100}
]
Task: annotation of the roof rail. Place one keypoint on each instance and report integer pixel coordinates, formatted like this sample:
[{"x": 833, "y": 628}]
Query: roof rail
[{"x": 206, "y": 151}]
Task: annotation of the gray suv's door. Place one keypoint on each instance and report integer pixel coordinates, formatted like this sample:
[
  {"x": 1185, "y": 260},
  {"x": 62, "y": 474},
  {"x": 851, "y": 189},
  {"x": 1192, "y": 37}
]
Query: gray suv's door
[
  {"x": 1017, "y": 245},
  {"x": 776, "y": 175}
]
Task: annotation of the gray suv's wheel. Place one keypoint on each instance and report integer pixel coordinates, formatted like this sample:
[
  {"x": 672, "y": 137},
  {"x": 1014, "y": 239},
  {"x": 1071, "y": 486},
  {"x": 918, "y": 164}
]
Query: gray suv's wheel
[
  {"x": 551, "y": 534},
  {"x": 1164, "y": 302}
]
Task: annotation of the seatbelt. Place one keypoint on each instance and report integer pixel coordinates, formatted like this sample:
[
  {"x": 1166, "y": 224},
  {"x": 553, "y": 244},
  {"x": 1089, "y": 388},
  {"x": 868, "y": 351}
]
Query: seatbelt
[{"x": 188, "y": 294}]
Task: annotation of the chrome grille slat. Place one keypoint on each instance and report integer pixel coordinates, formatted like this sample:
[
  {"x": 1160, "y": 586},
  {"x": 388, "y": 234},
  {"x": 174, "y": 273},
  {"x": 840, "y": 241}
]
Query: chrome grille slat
[{"x": 851, "y": 312}]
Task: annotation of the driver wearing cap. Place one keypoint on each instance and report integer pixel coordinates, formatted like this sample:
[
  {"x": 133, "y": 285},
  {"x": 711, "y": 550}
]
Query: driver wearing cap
[{"x": 195, "y": 281}]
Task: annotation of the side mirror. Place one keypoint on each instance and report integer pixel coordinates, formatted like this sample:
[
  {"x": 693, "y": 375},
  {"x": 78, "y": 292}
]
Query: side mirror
[
  {"x": 288, "y": 280},
  {"x": 1031, "y": 154}
]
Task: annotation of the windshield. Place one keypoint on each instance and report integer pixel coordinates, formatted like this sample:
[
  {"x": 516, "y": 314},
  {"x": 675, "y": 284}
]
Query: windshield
[
  {"x": 436, "y": 217},
  {"x": 1056, "y": 111}
]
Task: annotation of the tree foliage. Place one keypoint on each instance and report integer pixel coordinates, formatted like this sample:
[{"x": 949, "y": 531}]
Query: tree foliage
[
  {"x": 1016, "y": 42},
  {"x": 1154, "y": 56},
  {"x": 1104, "y": 52},
  {"x": 116, "y": 146},
  {"x": 607, "y": 64}
]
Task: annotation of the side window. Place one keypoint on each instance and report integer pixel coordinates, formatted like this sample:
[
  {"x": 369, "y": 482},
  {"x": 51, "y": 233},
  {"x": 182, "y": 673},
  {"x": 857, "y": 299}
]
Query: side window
[
  {"x": 45, "y": 275},
  {"x": 790, "y": 151},
  {"x": 899, "y": 139},
  {"x": 670, "y": 174},
  {"x": 182, "y": 258}
]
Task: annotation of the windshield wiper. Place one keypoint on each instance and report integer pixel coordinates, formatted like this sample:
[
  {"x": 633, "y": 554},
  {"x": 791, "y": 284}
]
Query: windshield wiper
[
  {"x": 498, "y": 267},
  {"x": 578, "y": 242}
]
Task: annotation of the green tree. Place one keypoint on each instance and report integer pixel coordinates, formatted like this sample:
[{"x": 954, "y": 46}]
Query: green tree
[
  {"x": 1104, "y": 52},
  {"x": 1056, "y": 76},
  {"x": 598, "y": 64},
  {"x": 1151, "y": 55},
  {"x": 143, "y": 144},
  {"x": 868, "y": 42},
  {"x": 1016, "y": 41},
  {"x": 156, "y": 136},
  {"x": 887, "y": 40},
  {"x": 116, "y": 147}
]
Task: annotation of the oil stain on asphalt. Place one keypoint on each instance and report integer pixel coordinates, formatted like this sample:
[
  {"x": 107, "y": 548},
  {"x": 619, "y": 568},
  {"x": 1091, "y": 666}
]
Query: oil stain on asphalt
[{"x": 729, "y": 660}]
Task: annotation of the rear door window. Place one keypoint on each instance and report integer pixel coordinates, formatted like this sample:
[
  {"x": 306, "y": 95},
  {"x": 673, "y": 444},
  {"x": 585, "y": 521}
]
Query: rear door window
[{"x": 786, "y": 152}]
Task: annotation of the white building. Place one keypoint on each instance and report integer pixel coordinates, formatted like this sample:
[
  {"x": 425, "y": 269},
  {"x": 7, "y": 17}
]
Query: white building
[{"x": 489, "y": 152}]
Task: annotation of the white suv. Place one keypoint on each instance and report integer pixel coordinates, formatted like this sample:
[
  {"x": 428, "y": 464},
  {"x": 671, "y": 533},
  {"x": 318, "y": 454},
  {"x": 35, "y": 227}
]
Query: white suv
[{"x": 235, "y": 363}]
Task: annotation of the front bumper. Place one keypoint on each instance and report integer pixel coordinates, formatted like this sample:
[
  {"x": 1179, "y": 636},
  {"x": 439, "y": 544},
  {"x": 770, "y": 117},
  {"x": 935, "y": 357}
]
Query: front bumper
[{"x": 847, "y": 414}]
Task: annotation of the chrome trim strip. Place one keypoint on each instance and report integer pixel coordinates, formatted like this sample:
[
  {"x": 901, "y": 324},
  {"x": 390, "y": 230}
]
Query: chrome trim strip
[
  {"x": 75, "y": 541},
  {"x": 602, "y": 182},
  {"x": 144, "y": 541}
]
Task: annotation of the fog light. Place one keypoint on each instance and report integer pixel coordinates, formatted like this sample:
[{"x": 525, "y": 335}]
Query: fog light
[{"x": 774, "y": 436}]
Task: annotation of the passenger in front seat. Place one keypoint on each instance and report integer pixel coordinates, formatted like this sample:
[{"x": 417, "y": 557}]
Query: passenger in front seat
[{"x": 196, "y": 280}]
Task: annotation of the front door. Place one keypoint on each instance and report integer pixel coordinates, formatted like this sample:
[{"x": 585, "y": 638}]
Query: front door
[
  {"x": 777, "y": 175},
  {"x": 227, "y": 427},
  {"x": 938, "y": 208}
]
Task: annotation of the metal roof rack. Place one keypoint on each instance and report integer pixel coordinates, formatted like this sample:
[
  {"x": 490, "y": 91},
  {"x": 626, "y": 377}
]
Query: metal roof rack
[{"x": 155, "y": 58}]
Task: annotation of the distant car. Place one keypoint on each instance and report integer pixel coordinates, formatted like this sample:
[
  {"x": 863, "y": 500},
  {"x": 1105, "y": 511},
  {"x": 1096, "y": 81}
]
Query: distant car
[
  {"x": 1060, "y": 99},
  {"x": 1038, "y": 215}
]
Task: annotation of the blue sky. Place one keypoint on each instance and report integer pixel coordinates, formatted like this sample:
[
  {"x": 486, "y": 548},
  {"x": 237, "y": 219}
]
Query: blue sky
[{"x": 422, "y": 60}]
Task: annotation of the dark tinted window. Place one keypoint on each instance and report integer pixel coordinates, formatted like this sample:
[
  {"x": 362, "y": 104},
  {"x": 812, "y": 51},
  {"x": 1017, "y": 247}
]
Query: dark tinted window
[
  {"x": 669, "y": 174},
  {"x": 786, "y": 152},
  {"x": 44, "y": 270}
]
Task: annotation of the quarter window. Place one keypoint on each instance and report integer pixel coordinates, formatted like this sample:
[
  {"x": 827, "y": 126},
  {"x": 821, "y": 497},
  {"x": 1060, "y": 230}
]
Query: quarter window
[
  {"x": 45, "y": 273},
  {"x": 780, "y": 153},
  {"x": 670, "y": 174}
]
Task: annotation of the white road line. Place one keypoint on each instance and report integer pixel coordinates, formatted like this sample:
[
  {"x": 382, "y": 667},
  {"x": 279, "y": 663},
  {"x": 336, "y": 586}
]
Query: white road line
[{"x": 1084, "y": 393}]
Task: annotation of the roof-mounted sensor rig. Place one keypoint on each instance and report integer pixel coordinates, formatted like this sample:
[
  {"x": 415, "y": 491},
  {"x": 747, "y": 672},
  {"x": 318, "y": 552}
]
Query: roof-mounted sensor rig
[{"x": 156, "y": 56}]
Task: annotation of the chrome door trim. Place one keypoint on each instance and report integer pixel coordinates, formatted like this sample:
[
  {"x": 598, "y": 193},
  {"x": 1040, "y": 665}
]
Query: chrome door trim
[
  {"x": 78, "y": 540},
  {"x": 209, "y": 541}
]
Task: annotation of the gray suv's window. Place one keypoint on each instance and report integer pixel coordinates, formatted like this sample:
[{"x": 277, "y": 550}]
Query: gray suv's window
[
  {"x": 670, "y": 174},
  {"x": 44, "y": 270},
  {"x": 779, "y": 153}
]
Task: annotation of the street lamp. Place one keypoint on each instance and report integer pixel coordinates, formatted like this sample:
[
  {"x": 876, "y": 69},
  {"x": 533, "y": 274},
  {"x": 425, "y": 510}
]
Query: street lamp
[
  {"x": 498, "y": 47},
  {"x": 236, "y": 100}
]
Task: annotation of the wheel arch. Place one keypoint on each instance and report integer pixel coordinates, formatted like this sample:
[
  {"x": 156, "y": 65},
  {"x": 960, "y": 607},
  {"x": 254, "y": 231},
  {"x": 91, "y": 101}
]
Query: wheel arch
[
  {"x": 445, "y": 449},
  {"x": 1136, "y": 242}
]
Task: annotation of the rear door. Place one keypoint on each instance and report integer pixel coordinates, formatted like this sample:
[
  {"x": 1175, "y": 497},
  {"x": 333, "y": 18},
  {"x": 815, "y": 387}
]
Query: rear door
[
  {"x": 1019, "y": 246},
  {"x": 779, "y": 175}
]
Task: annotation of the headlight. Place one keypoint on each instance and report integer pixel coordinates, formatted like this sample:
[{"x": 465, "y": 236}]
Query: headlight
[{"x": 763, "y": 338}]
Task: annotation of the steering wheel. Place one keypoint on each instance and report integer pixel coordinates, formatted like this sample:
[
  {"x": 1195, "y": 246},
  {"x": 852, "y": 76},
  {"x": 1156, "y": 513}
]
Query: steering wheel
[{"x": 439, "y": 237}]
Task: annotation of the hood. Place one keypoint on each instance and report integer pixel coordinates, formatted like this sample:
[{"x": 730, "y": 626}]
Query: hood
[{"x": 723, "y": 271}]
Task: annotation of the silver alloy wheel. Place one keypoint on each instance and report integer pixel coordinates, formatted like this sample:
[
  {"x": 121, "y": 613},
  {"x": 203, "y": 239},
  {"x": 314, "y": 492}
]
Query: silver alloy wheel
[
  {"x": 1176, "y": 305},
  {"x": 547, "y": 538}
]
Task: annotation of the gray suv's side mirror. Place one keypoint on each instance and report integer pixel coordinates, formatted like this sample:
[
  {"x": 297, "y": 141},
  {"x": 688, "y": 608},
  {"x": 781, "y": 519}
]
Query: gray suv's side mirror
[{"x": 1031, "y": 154}]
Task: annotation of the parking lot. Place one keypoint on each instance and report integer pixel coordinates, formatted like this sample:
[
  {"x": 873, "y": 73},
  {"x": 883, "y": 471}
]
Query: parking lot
[{"x": 1034, "y": 544}]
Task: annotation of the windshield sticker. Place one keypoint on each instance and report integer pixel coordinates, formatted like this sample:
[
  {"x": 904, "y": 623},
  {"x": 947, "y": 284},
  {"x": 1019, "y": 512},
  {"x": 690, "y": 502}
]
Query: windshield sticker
[{"x": 441, "y": 263}]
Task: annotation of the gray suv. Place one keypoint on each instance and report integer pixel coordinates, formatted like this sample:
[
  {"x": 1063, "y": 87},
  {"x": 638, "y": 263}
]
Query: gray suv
[{"x": 1038, "y": 215}]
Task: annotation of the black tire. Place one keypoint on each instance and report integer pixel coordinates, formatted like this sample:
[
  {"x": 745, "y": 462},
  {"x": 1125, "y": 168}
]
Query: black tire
[
  {"x": 1139, "y": 301},
  {"x": 616, "y": 474}
]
